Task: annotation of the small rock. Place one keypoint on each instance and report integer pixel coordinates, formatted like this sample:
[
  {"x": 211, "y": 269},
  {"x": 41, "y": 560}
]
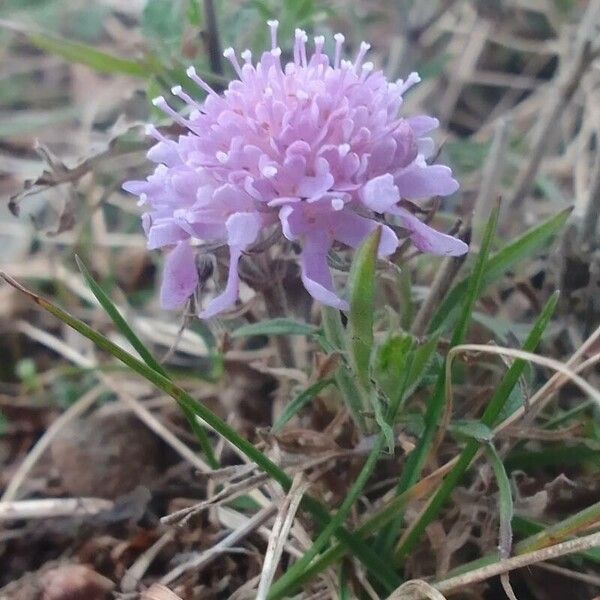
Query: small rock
[
  {"x": 75, "y": 582},
  {"x": 106, "y": 455}
]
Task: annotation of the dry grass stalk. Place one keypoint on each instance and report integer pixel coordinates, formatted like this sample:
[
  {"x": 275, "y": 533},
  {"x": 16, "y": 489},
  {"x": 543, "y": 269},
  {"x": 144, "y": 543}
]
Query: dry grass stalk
[
  {"x": 279, "y": 533},
  {"x": 416, "y": 589},
  {"x": 46, "y": 508},
  {"x": 202, "y": 559},
  {"x": 518, "y": 562}
]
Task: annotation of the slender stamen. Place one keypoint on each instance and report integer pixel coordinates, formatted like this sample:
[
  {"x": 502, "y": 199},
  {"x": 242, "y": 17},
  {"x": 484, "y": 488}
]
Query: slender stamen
[
  {"x": 155, "y": 133},
  {"x": 339, "y": 41},
  {"x": 319, "y": 43},
  {"x": 178, "y": 91},
  {"x": 367, "y": 68},
  {"x": 247, "y": 56},
  {"x": 274, "y": 24},
  {"x": 303, "y": 41},
  {"x": 298, "y": 36},
  {"x": 229, "y": 54},
  {"x": 191, "y": 73},
  {"x": 364, "y": 48},
  {"x": 411, "y": 80},
  {"x": 161, "y": 103}
]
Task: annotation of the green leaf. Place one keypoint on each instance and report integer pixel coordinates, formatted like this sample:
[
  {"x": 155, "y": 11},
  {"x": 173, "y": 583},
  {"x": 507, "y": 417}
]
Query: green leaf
[
  {"x": 423, "y": 357},
  {"x": 500, "y": 263},
  {"x": 489, "y": 418},
  {"x": 361, "y": 284},
  {"x": 471, "y": 429},
  {"x": 505, "y": 502},
  {"x": 435, "y": 406},
  {"x": 145, "y": 355},
  {"x": 288, "y": 581},
  {"x": 476, "y": 280},
  {"x": 389, "y": 363},
  {"x": 278, "y": 326},
  {"x": 113, "y": 312},
  {"x": 299, "y": 402},
  {"x": 78, "y": 52}
]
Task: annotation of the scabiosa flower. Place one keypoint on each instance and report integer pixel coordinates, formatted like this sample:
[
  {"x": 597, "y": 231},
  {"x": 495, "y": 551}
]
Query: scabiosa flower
[{"x": 314, "y": 145}]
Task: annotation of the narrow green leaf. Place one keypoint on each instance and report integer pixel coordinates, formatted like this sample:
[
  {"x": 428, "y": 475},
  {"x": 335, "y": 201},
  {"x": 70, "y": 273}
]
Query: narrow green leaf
[
  {"x": 389, "y": 363},
  {"x": 335, "y": 340},
  {"x": 493, "y": 410},
  {"x": 281, "y": 587},
  {"x": 146, "y": 356},
  {"x": 471, "y": 429},
  {"x": 278, "y": 326},
  {"x": 113, "y": 312},
  {"x": 335, "y": 333},
  {"x": 422, "y": 359},
  {"x": 361, "y": 284},
  {"x": 78, "y": 52},
  {"x": 303, "y": 570},
  {"x": 435, "y": 406},
  {"x": 476, "y": 280},
  {"x": 299, "y": 402},
  {"x": 505, "y": 501},
  {"x": 552, "y": 534},
  {"x": 372, "y": 561},
  {"x": 500, "y": 263}
]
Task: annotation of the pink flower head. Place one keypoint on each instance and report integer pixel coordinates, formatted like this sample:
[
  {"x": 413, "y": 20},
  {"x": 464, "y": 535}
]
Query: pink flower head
[{"x": 313, "y": 145}]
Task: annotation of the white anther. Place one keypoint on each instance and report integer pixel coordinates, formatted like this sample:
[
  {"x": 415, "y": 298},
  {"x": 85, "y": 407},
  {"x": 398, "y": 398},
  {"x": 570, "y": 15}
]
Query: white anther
[{"x": 269, "y": 171}]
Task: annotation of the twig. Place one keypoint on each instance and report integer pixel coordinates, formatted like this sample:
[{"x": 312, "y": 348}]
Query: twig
[
  {"x": 135, "y": 572},
  {"x": 518, "y": 562},
  {"x": 529, "y": 356},
  {"x": 539, "y": 399},
  {"x": 200, "y": 561},
  {"x": 52, "y": 508},
  {"x": 227, "y": 494},
  {"x": 585, "y": 577},
  {"x": 279, "y": 533}
]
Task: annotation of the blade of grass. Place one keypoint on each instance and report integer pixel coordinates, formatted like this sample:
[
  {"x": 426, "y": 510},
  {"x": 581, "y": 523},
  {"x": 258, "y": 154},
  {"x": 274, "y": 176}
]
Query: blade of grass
[
  {"x": 78, "y": 52},
  {"x": 499, "y": 263},
  {"x": 287, "y": 582},
  {"x": 291, "y": 579},
  {"x": 368, "y": 557},
  {"x": 416, "y": 459},
  {"x": 299, "y": 402},
  {"x": 335, "y": 337},
  {"x": 505, "y": 501},
  {"x": 361, "y": 283},
  {"x": 543, "y": 537},
  {"x": 117, "y": 318},
  {"x": 113, "y": 312},
  {"x": 278, "y": 326},
  {"x": 489, "y": 418}
]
